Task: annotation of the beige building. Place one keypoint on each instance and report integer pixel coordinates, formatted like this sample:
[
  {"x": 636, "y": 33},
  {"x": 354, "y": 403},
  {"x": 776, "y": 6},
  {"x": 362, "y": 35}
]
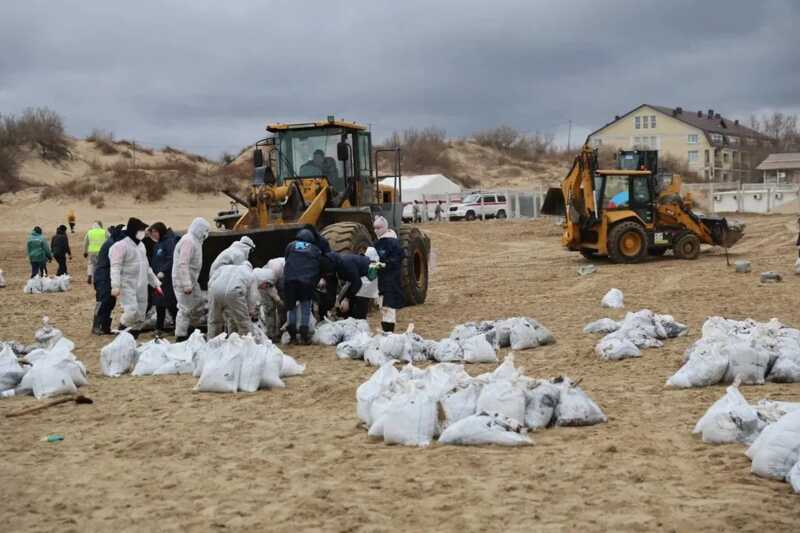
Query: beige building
[{"x": 713, "y": 147}]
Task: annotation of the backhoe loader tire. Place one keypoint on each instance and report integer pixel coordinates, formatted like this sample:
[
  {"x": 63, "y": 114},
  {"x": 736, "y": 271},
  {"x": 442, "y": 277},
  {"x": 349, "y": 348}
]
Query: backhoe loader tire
[
  {"x": 627, "y": 242},
  {"x": 687, "y": 246},
  {"x": 414, "y": 270},
  {"x": 347, "y": 237}
]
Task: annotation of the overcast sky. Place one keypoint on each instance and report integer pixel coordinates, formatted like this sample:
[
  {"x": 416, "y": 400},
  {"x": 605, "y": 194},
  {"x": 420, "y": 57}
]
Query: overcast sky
[{"x": 207, "y": 75}]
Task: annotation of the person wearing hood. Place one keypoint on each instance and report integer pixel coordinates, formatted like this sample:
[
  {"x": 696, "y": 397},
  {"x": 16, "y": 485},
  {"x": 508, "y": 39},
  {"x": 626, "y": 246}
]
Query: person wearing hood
[
  {"x": 301, "y": 274},
  {"x": 161, "y": 263},
  {"x": 235, "y": 254},
  {"x": 351, "y": 269},
  {"x": 273, "y": 311},
  {"x": 131, "y": 275},
  {"x": 92, "y": 242},
  {"x": 390, "y": 287},
  {"x": 59, "y": 246},
  {"x": 234, "y": 297},
  {"x": 101, "y": 276},
  {"x": 38, "y": 252},
  {"x": 186, "y": 265}
]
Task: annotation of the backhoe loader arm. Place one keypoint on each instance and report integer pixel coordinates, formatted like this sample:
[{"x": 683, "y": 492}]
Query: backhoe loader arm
[{"x": 578, "y": 190}]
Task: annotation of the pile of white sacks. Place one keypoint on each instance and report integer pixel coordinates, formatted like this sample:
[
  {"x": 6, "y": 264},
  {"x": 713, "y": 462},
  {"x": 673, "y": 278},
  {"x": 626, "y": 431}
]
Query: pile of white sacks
[
  {"x": 643, "y": 329},
  {"x": 752, "y": 351},
  {"x": 39, "y": 284},
  {"x": 413, "y": 406},
  {"x": 468, "y": 343},
  {"x": 770, "y": 428},
  {"x": 223, "y": 364},
  {"x": 48, "y": 369}
]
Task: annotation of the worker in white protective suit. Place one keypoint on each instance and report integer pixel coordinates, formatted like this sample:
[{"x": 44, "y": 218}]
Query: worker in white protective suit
[
  {"x": 235, "y": 254},
  {"x": 273, "y": 312},
  {"x": 186, "y": 264},
  {"x": 234, "y": 297},
  {"x": 131, "y": 274}
]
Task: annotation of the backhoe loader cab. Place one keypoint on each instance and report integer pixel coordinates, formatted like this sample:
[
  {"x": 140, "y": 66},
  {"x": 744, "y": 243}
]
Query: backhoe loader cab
[
  {"x": 322, "y": 174},
  {"x": 632, "y": 211}
]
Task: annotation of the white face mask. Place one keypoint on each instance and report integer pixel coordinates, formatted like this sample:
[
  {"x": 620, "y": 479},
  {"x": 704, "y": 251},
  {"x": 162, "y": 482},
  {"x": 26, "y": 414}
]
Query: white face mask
[{"x": 140, "y": 235}]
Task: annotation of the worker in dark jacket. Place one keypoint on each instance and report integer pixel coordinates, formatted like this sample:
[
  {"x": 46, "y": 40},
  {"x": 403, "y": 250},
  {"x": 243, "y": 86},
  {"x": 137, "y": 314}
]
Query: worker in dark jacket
[
  {"x": 102, "y": 284},
  {"x": 301, "y": 275},
  {"x": 161, "y": 263},
  {"x": 59, "y": 246},
  {"x": 351, "y": 268},
  {"x": 389, "y": 277}
]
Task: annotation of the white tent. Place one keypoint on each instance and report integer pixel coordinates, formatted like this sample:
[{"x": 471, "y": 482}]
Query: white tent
[{"x": 415, "y": 187}]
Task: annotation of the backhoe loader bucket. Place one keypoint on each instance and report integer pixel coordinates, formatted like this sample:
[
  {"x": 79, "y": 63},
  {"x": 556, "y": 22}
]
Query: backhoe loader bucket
[
  {"x": 723, "y": 232},
  {"x": 554, "y": 202},
  {"x": 270, "y": 243}
]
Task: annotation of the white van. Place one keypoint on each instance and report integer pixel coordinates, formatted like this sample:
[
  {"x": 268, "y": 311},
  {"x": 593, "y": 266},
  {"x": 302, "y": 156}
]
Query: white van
[{"x": 471, "y": 207}]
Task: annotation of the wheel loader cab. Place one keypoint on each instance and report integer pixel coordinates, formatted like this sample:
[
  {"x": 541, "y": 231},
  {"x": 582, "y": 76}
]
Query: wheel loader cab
[{"x": 335, "y": 151}]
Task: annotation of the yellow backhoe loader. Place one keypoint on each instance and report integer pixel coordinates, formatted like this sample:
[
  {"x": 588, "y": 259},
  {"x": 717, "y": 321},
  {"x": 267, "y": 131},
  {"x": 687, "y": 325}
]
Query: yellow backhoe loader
[
  {"x": 324, "y": 174},
  {"x": 632, "y": 211}
]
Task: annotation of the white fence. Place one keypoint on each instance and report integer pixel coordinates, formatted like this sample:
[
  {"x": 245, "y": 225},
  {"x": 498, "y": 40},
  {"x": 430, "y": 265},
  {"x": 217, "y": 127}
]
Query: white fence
[
  {"x": 747, "y": 197},
  {"x": 518, "y": 204}
]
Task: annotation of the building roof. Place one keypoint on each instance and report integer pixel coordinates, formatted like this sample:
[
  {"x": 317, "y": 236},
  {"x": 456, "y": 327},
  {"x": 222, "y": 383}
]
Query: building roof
[
  {"x": 708, "y": 121},
  {"x": 781, "y": 162},
  {"x": 715, "y": 124}
]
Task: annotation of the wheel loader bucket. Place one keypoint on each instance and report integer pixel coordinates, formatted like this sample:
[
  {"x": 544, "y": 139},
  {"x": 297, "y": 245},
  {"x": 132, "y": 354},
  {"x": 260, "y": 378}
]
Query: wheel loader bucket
[
  {"x": 270, "y": 243},
  {"x": 553, "y": 202},
  {"x": 724, "y": 233}
]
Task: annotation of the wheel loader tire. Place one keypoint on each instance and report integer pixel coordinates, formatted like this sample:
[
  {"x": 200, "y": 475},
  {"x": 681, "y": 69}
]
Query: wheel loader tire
[
  {"x": 627, "y": 242},
  {"x": 414, "y": 270},
  {"x": 687, "y": 246},
  {"x": 347, "y": 237}
]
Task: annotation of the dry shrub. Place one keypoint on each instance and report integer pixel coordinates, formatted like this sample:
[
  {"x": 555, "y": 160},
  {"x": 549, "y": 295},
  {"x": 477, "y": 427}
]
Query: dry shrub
[
  {"x": 98, "y": 200},
  {"x": 126, "y": 155},
  {"x": 9, "y": 170},
  {"x": 77, "y": 187},
  {"x": 170, "y": 150},
  {"x": 509, "y": 141},
  {"x": 465, "y": 180},
  {"x": 104, "y": 141},
  {"x": 39, "y": 128},
  {"x": 511, "y": 172},
  {"x": 670, "y": 164},
  {"x": 423, "y": 150}
]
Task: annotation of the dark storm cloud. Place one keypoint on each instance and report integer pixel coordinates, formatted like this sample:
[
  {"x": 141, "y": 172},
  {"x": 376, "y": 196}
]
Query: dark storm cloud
[{"x": 208, "y": 75}]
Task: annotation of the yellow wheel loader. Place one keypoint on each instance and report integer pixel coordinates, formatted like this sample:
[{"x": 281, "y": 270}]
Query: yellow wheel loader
[
  {"x": 632, "y": 212},
  {"x": 323, "y": 174}
]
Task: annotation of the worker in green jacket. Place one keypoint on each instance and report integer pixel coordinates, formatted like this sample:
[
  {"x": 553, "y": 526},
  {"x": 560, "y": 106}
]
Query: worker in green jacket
[
  {"x": 38, "y": 252},
  {"x": 92, "y": 243}
]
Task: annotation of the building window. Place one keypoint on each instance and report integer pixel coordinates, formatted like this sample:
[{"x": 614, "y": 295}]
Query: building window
[
  {"x": 708, "y": 157},
  {"x": 638, "y": 122},
  {"x": 724, "y": 157},
  {"x": 652, "y": 121},
  {"x": 645, "y": 122},
  {"x": 693, "y": 156},
  {"x": 733, "y": 140},
  {"x": 716, "y": 138},
  {"x": 637, "y": 142},
  {"x": 693, "y": 138},
  {"x": 653, "y": 143}
]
